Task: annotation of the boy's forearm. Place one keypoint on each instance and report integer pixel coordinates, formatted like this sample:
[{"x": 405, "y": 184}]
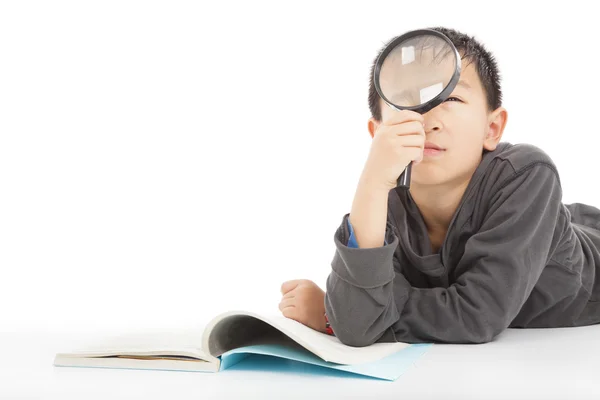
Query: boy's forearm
[{"x": 368, "y": 215}]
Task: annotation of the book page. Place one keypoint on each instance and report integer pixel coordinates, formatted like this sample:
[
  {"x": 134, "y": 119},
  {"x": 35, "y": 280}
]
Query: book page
[
  {"x": 244, "y": 328},
  {"x": 146, "y": 344},
  {"x": 133, "y": 362}
]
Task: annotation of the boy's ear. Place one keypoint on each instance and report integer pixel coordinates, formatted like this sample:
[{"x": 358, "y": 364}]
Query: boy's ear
[
  {"x": 373, "y": 124},
  {"x": 496, "y": 123}
]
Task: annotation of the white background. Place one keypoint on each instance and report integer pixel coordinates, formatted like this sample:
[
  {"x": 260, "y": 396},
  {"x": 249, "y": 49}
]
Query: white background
[{"x": 164, "y": 161}]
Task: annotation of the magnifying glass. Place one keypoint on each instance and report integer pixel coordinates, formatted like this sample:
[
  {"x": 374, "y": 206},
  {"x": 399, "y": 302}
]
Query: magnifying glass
[{"x": 417, "y": 71}]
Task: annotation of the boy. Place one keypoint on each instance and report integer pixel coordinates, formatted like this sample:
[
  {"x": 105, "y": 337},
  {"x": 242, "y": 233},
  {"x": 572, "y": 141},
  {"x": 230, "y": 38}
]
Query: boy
[{"x": 480, "y": 242}]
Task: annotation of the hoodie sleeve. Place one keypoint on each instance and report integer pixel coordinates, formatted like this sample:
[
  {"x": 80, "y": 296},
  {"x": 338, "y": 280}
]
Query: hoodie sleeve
[
  {"x": 352, "y": 240},
  {"x": 368, "y": 299}
]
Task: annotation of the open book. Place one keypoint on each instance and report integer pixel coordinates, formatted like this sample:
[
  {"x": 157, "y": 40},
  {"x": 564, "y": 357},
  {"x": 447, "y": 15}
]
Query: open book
[{"x": 237, "y": 337}]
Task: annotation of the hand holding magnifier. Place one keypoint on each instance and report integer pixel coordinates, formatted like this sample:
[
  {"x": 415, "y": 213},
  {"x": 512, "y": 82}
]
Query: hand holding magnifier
[{"x": 417, "y": 71}]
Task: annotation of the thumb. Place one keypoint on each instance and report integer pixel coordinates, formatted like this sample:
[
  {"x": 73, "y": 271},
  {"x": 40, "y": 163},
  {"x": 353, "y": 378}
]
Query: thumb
[{"x": 289, "y": 285}]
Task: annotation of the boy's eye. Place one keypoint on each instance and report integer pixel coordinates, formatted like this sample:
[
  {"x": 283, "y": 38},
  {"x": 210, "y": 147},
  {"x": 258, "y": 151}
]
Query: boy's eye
[{"x": 453, "y": 98}]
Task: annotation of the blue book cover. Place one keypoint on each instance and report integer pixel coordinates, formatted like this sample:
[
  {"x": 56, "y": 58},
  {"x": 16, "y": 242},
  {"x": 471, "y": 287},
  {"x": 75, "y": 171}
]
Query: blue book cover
[{"x": 388, "y": 368}]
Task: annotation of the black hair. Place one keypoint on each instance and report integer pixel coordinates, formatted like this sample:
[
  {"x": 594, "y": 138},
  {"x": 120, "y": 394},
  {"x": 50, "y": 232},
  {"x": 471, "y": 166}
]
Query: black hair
[{"x": 469, "y": 49}]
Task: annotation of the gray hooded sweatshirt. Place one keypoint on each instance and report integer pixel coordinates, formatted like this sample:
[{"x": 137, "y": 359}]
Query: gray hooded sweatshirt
[{"x": 514, "y": 256}]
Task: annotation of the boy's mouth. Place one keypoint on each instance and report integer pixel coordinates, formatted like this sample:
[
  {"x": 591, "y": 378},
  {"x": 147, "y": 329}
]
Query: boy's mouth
[
  {"x": 431, "y": 150},
  {"x": 433, "y": 146}
]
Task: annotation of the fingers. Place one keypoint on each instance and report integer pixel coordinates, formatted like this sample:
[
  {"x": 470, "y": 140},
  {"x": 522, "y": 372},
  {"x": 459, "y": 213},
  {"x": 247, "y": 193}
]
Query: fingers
[
  {"x": 416, "y": 155},
  {"x": 291, "y": 312},
  {"x": 289, "y": 295},
  {"x": 285, "y": 303},
  {"x": 407, "y": 128},
  {"x": 413, "y": 140},
  {"x": 400, "y": 117},
  {"x": 290, "y": 285}
]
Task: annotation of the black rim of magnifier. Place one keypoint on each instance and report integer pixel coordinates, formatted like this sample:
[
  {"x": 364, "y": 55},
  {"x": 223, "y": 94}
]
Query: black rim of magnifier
[{"x": 404, "y": 179}]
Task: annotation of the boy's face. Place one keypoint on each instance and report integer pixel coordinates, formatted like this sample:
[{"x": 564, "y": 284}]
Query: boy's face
[{"x": 462, "y": 126}]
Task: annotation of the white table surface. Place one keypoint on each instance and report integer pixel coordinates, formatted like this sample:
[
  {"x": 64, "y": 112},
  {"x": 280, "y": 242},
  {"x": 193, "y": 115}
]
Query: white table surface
[{"x": 561, "y": 363}]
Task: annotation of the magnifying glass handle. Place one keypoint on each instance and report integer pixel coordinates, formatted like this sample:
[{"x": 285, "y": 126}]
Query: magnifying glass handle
[{"x": 404, "y": 179}]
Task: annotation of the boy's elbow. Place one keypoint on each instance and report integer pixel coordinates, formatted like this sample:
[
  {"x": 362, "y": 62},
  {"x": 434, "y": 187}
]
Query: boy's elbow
[
  {"x": 352, "y": 334},
  {"x": 353, "y": 340},
  {"x": 481, "y": 339},
  {"x": 350, "y": 331},
  {"x": 484, "y": 334}
]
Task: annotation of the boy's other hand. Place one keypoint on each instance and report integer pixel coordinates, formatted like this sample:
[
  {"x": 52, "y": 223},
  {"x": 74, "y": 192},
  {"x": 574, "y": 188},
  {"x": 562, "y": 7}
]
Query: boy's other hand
[
  {"x": 304, "y": 302},
  {"x": 397, "y": 140}
]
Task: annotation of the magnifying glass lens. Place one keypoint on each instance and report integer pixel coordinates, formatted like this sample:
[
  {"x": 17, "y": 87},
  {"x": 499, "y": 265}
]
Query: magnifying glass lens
[{"x": 417, "y": 70}]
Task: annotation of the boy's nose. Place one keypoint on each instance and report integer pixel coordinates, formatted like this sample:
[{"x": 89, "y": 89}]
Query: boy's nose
[{"x": 431, "y": 125}]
